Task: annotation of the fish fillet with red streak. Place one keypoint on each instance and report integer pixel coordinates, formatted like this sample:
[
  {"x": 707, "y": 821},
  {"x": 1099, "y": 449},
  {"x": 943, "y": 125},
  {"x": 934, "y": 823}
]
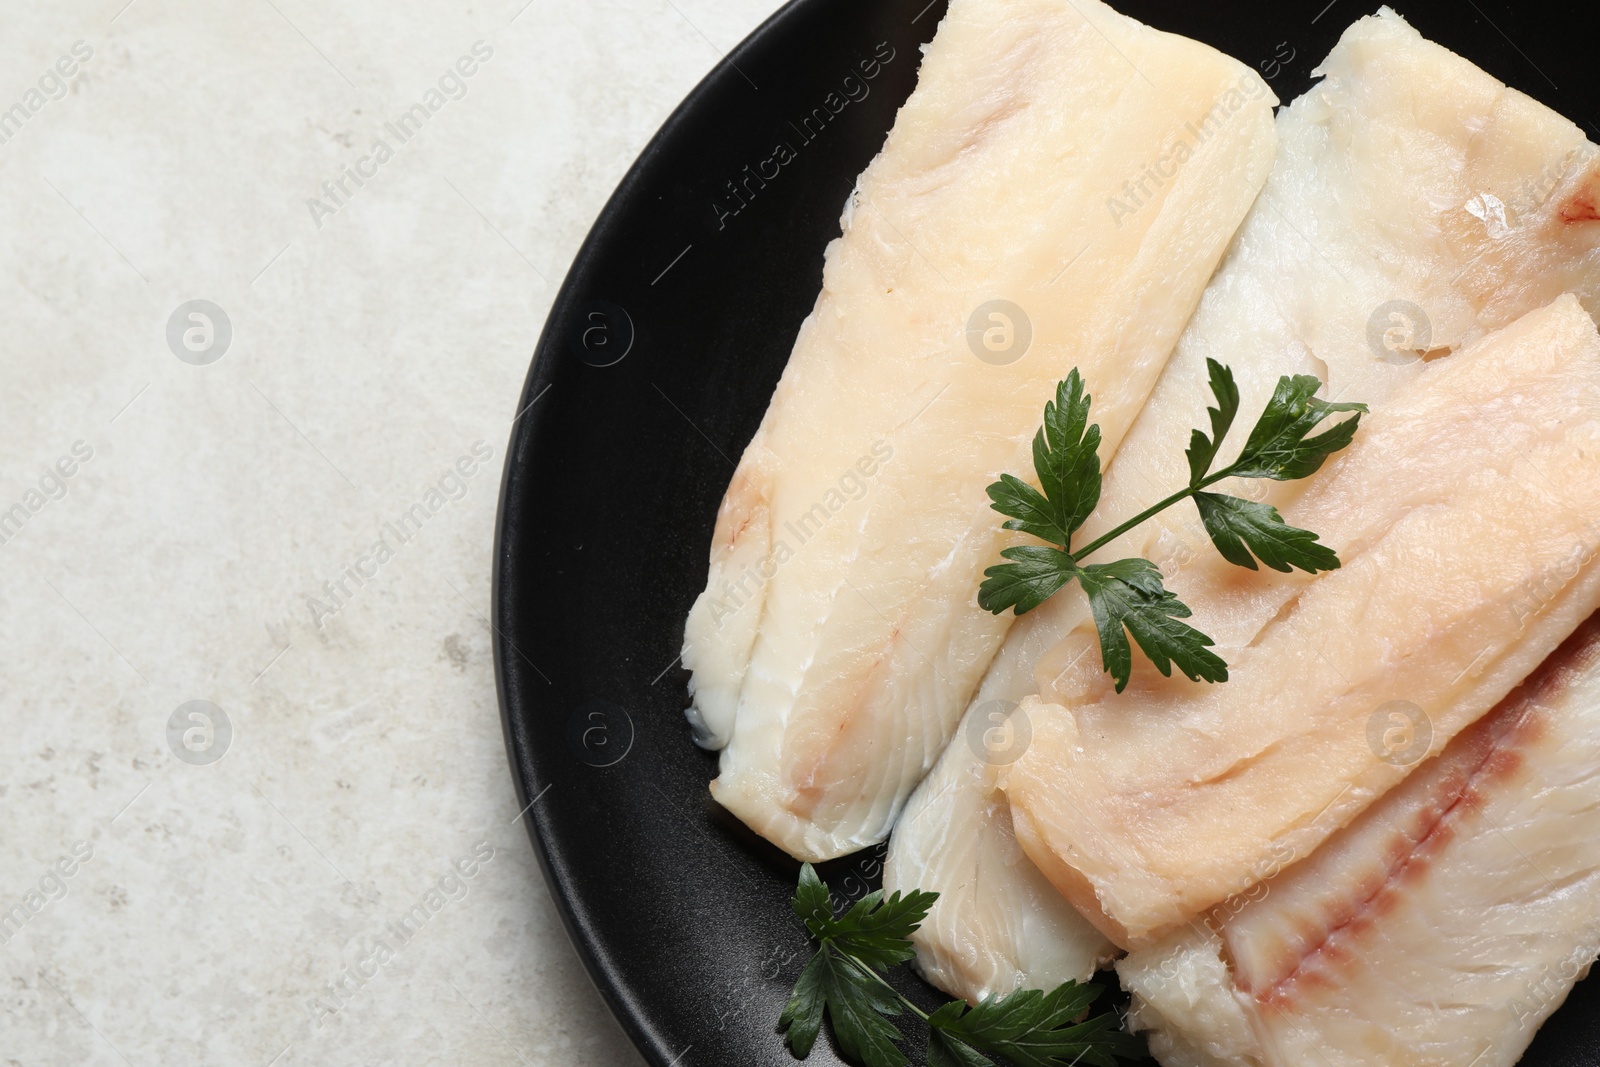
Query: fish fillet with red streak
[{"x": 1440, "y": 929}]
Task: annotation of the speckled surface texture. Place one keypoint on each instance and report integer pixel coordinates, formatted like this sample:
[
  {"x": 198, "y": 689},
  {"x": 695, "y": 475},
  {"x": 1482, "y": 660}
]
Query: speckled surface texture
[{"x": 348, "y": 883}]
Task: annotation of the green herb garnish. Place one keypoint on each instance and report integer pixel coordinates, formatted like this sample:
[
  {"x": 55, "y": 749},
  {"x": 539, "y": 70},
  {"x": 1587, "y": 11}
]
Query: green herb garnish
[
  {"x": 1127, "y": 596},
  {"x": 1029, "y": 1028}
]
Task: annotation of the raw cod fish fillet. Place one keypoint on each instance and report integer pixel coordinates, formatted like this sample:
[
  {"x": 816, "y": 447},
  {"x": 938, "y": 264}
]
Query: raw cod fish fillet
[
  {"x": 1388, "y": 225},
  {"x": 1467, "y": 517},
  {"x": 1439, "y": 929},
  {"x": 998, "y": 925},
  {"x": 838, "y": 638}
]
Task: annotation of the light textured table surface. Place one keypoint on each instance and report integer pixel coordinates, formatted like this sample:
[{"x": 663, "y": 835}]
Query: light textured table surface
[{"x": 179, "y": 529}]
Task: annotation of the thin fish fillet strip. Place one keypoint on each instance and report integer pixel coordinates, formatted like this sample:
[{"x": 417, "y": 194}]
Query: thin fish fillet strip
[
  {"x": 839, "y": 638},
  {"x": 998, "y": 925}
]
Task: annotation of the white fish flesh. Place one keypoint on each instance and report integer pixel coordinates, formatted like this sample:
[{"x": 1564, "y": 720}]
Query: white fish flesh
[
  {"x": 1084, "y": 171},
  {"x": 998, "y": 925},
  {"x": 1276, "y": 306},
  {"x": 1439, "y": 929},
  {"x": 1467, "y": 517}
]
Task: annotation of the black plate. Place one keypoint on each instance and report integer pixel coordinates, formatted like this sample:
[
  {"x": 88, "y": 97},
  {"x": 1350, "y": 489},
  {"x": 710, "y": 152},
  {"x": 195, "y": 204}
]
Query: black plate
[{"x": 655, "y": 366}]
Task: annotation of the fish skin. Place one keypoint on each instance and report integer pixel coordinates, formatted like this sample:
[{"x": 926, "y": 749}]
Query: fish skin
[
  {"x": 1475, "y": 885},
  {"x": 834, "y": 681},
  {"x": 1265, "y": 314},
  {"x": 1467, "y": 516}
]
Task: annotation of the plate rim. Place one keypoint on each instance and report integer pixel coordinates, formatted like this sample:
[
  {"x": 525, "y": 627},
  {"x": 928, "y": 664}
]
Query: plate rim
[{"x": 629, "y": 1012}]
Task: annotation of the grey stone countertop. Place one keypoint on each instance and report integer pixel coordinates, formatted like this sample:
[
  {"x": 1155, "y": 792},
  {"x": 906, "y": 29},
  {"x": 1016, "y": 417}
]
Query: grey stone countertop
[{"x": 270, "y": 275}]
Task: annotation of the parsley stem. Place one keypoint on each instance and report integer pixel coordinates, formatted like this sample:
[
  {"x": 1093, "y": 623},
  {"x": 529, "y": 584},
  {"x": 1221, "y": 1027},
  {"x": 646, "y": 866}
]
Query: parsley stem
[{"x": 1160, "y": 506}]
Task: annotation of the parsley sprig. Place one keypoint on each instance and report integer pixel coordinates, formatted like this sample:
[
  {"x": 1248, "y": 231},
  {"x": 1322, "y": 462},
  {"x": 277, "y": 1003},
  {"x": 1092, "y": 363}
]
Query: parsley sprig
[
  {"x": 1127, "y": 596},
  {"x": 844, "y": 980}
]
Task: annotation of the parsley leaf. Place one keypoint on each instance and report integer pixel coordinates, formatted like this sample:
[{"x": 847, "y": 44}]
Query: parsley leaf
[
  {"x": 876, "y": 929},
  {"x": 1128, "y": 594},
  {"x": 1030, "y": 510},
  {"x": 1241, "y": 527},
  {"x": 857, "y": 1009},
  {"x": 1278, "y": 446},
  {"x": 1034, "y": 576},
  {"x": 1066, "y": 460},
  {"x": 1031, "y": 1028},
  {"x": 842, "y": 982},
  {"x": 812, "y": 902},
  {"x": 1202, "y": 450},
  {"x": 944, "y": 1051},
  {"x": 871, "y": 935},
  {"x": 1066, "y": 455},
  {"x": 1127, "y": 597},
  {"x": 802, "y": 1016}
]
